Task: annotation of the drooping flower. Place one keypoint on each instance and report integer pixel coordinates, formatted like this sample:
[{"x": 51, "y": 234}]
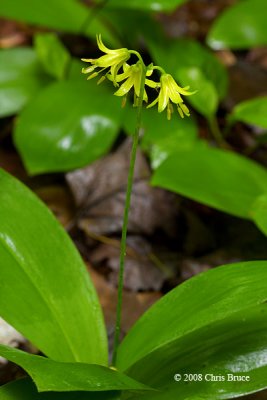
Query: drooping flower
[
  {"x": 132, "y": 76},
  {"x": 170, "y": 93},
  {"x": 113, "y": 59}
]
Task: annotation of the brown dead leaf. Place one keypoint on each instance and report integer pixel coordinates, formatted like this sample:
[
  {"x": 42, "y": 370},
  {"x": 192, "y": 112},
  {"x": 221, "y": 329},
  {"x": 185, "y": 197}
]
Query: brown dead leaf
[
  {"x": 12, "y": 34},
  {"x": 99, "y": 192},
  {"x": 141, "y": 271}
]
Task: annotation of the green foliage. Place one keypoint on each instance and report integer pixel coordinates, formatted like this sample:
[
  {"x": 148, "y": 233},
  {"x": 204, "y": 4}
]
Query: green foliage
[
  {"x": 161, "y": 138},
  {"x": 50, "y": 375},
  {"x": 21, "y": 78},
  {"x": 70, "y": 124},
  {"x": 52, "y": 55},
  {"x": 192, "y": 64},
  {"x": 214, "y": 323},
  {"x": 52, "y": 298},
  {"x": 251, "y": 112},
  {"x": 69, "y": 16},
  {"x": 218, "y": 178},
  {"x": 240, "y": 27},
  {"x": 148, "y": 5},
  {"x": 24, "y": 389}
]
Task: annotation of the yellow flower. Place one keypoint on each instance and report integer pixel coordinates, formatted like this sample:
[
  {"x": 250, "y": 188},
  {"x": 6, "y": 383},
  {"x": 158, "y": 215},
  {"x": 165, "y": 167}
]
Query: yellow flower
[
  {"x": 132, "y": 74},
  {"x": 171, "y": 92},
  {"x": 114, "y": 59}
]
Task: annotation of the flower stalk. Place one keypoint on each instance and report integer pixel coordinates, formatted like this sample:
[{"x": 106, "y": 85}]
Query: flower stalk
[
  {"x": 130, "y": 181},
  {"x": 114, "y": 66}
]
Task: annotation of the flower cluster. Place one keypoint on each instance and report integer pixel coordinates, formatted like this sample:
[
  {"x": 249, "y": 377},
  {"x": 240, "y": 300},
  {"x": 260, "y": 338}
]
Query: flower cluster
[{"x": 125, "y": 77}]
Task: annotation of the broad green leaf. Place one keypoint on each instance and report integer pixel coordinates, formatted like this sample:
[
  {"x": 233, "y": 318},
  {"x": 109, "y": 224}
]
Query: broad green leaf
[
  {"x": 217, "y": 178},
  {"x": 67, "y": 126},
  {"x": 192, "y": 64},
  {"x": 45, "y": 290},
  {"x": 21, "y": 78},
  {"x": 240, "y": 27},
  {"x": 50, "y": 375},
  {"x": 64, "y": 15},
  {"x": 252, "y": 112},
  {"x": 149, "y": 5},
  {"x": 159, "y": 136},
  {"x": 215, "y": 323},
  {"x": 53, "y": 56},
  {"x": 24, "y": 389},
  {"x": 69, "y": 16}
]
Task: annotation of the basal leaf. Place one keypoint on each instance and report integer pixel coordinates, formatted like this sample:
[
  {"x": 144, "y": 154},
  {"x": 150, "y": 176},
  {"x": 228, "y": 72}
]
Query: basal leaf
[
  {"x": 67, "y": 126},
  {"x": 24, "y": 389},
  {"x": 217, "y": 178},
  {"x": 213, "y": 324},
  {"x": 21, "y": 78},
  {"x": 45, "y": 290},
  {"x": 53, "y": 56},
  {"x": 251, "y": 112},
  {"x": 49, "y": 375},
  {"x": 240, "y": 27}
]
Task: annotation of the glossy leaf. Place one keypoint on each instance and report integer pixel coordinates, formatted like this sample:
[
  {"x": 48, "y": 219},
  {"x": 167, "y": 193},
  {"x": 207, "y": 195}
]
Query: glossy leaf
[
  {"x": 21, "y": 78},
  {"x": 45, "y": 290},
  {"x": 192, "y": 64},
  {"x": 67, "y": 126},
  {"x": 215, "y": 323},
  {"x": 53, "y": 56},
  {"x": 240, "y": 27},
  {"x": 159, "y": 136},
  {"x": 24, "y": 389},
  {"x": 69, "y": 16},
  {"x": 253, "y": 112},
  {"x": 217, "y": 178},
  {"x": 158, "y": 5},
  {"x": 49, "y": 375},
  {"x": 206, "y": 99}
]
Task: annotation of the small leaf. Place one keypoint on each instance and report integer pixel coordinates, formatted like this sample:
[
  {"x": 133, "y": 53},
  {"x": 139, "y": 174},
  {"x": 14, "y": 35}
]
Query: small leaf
[
  {"x": 150, "y": 5},
  {"x": 45, "y": 290},
  {"x": 24, "y": 389},
  {"x": 217, "y": 178},
  {"x": 70, "y": 125},
  {"x": 240, "y": 27},
  {"x": 52, "y": 54},
  {"x": 215, "y": 323},
  {"x": 49, "y": 375},
  {"x": 253, "y": 112},
  {"x": 21, "y": 78}
]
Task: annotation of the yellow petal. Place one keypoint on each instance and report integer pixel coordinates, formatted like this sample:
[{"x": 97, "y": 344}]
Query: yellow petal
[
  {"x": 153, "y": 103},
  {"x": 101, "y": 45},
  {"x": 125, "y": 87}
]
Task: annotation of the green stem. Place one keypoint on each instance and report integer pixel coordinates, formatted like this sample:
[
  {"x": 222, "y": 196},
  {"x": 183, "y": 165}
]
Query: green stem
[
  {"x": 126, "y": 214},
  {"x": 215, "y": 130}
]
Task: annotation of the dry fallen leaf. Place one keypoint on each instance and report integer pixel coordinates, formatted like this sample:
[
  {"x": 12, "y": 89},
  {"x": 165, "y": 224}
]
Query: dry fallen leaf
[{"x": 99, "y": 193}]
